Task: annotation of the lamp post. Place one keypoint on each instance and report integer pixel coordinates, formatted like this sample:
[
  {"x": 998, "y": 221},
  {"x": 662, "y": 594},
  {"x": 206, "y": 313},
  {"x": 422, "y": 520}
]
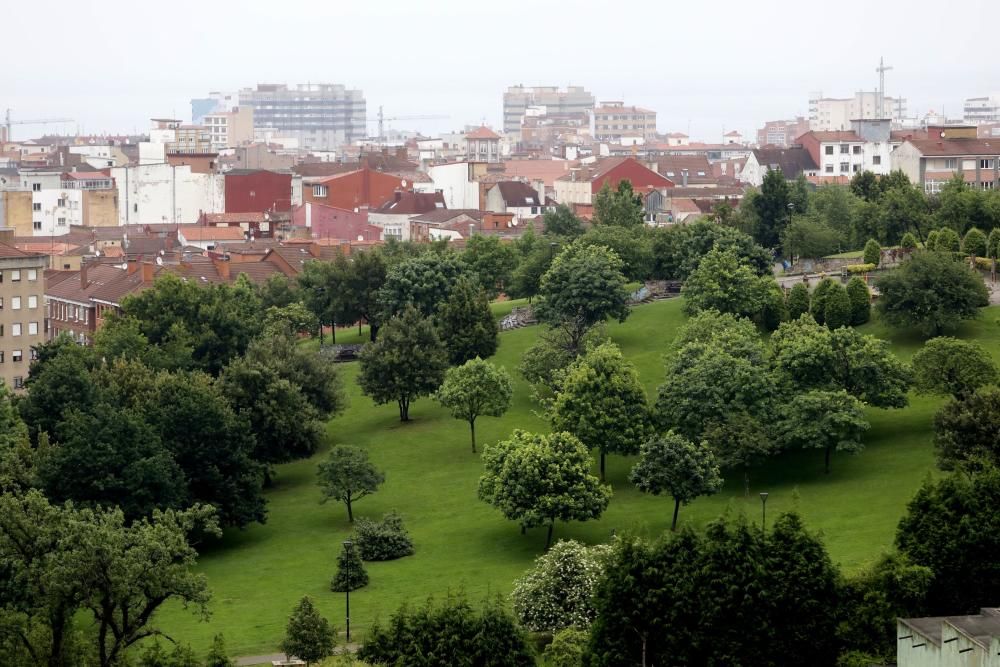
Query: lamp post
[
  {"x": 552, "y": 249},
  {"x": 347, "y": 550},
  {"x": 763, "y": 510}
]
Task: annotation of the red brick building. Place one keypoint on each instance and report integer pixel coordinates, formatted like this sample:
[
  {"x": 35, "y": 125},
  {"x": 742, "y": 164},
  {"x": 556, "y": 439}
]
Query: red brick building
[
  {"x": 257, "y": 191},
  {"x": 581, "y": 184},
  {"x": 328, "y": 222},
  {"x": 354, "y": 189}
]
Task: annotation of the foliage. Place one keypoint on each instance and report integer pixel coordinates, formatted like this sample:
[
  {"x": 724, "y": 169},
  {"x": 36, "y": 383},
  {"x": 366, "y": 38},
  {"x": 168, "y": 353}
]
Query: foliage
[
  {"x": 860, "y": 299},
  {"x": 817, "y": 304},
  {"x": 566, "y": 649},
  {"x": 466, "y": 324},
  {"x": 363, "y": 277},
  {"x": 583, "y": 288},
  {"x": 449, "y": 633},
  {"x": 290, "y": 320},
  {"x": 873, "y": 252},
  {"x": 860, "y": 268},
  {"x": 544, "y": 363},
  {"x": 347, "y": 476},
  {"x": 737, "y": 335},
  {"x": 421, "y": 282},
  {"x": 491, "y": 261},
  {"x": 527, "y": 277},
  {"x": 677, "y": 250},
  {"x": 632, "y": 245},
  {"x": 621, "y": 207},
  {"x": 947, "y": 240},
  {"x": 723, "y": 282},
  {"x": 537, "y": 479},
  {"x": 798, "y": 301},
  {"x": 908, "y": 242},
  {"x": 558, "y": 591},
  {"x": 406, "y": 362},
  {"x": 949, "y": 366},
  {"x": 382, "y": 540},
  {"x": 809, "y": 236},
  {"x": 217, "y": 654},
  {"x": 771, "y": 209},
  {"x": 974, "y": 243},
  {"x": 837, "y": 310},
  {"x": 672, "y": 464},
  {"x": 308, "y": 636},
  {"x": 475, "y": 389},
  {"x": 601, "y": 401},
  {"x": 993, "y": 243},
  {"x": 562, "y": 222},
  {"x": 931, "y": 242},
  {"x": 931, "y": 291},
  {"x": 740, "y": 440},
  {"x": 828, "y": 420},
  {"x": 351, "y": 574},
  {"x": 319, "y": 284},
  {"x": 965, "y": 430}
]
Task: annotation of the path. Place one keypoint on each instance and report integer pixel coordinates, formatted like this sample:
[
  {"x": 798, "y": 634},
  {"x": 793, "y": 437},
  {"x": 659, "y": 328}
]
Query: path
[{"x": 252, "y": 660}]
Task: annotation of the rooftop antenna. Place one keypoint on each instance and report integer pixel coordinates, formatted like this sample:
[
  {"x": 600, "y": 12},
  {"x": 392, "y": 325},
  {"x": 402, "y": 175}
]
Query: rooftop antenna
[{"x": 881, "y": 69}]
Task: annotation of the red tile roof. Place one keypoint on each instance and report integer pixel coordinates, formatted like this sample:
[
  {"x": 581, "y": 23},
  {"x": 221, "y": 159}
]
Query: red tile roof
[
  {"x": 229, "y": 218},
  {"x": 482, "y": 133},
  {"x": 957, "y": 147},
  {"x": 412, "y": 203},
  {"x": 196, "y": 233}
]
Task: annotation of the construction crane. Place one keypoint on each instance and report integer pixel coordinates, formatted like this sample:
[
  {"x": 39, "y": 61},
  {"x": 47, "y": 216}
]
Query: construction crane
[
  {"x": 382, "y": 120},
  {"x": 881, "y": 69},
  {"x": 39, "y": 121}
]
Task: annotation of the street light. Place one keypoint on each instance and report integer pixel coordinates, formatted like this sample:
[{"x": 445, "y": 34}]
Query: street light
[
  {"x": 552, "y": 249},
  {"x": 347, "y": 551},
  {"x": 763, "y": 510}
]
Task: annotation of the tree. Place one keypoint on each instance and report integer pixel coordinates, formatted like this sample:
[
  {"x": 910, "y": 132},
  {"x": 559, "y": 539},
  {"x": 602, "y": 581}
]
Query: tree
[
  {"x": 562, "y": 222},
  {"x": 278, "y": 291},
  {"x": 475, "y": 389},
  {"x": 830, "y": 420},
  {"x": 817, "y": 303},
  {"x": 860, "y": 300},
  {"x": 544, "y": 363},
  {"x": 672, "y": 464},
  {"x": 865, "y": 184},
  {"x": 601, "y": 401},
  {"x": 318, "y": 285},
  {"x": 538, "y": 479},
  {"x": 527, "y": 277},
  {"x": 931, "y": 291},
  {"x": 566, "y": 649},
  {"x": 809, "y": 236},
  {"x": 771, "y": 209},
  {"x": 558, "y": 591},
  {"x": 947, "y": 240},
  {"x": 407, "y": 362},
  {"x": 740, "y": 440},
  {"x": 466, "y": 324},
  {"x": 931, "y": 242},
  {"x": 583, "y": 287},
  {"x": 974, "y": 243},
  {"x": 837, "y": 307},
  {"x": 631, "y": 244},
  {"x": 621, "y": 207},
  {"x": 677, "y": 250},
  {"x": 491, "y": 261},
  {"x": 365, "y": 276},
  {"x": 908, "y": 242},
  {"x": 448, "y": 633},
  {"x": 351, "y": 574},
  {"x": 872, "y": 252},
  {"x": 798, "y": 301},
  {"x": 993, "y": 243},
  {"x": 217, "y": 654},
  {"x": 954, "y": 367},
  {"x": 422, "y": 282},
  {"x": 290, "y": 320},
  {"x": 308, "y": 636},
  {"x": 722, "y": 282},
  {"x": 57, "y": 381},
  {"x": 965, "y": 430},
  {"x": 347, "y": 476}
]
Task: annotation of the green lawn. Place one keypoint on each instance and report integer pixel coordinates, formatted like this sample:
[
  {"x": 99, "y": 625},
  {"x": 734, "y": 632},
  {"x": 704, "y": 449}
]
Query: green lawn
[{"x": 258, "y": 574}]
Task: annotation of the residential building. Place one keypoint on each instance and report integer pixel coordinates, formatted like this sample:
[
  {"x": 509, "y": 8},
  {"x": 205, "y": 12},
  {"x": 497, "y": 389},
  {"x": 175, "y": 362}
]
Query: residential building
[
  {"x": 552, "y": 101},
  {"x": 982, "y": 109},
  {"x": 318, "y": 115},
  {"x": 516, "y": 197},
  {"x": 841, "y": 154},
  {"x": 582, "y": 183},
  {"x": 482, "y": 145},
  {"x": 685, "y": 170},
  {"x": 949, "y": 641},
  {"x": 458, "y": 182},
  {"x": 49, "y": 202},
  {"x": 613, "y": 122},
  {"x": 229, "y": 129},
  {"x": 791, "y": 161},
  {"x": 328, "y": 222},
  {"x": 827, "y": 114},
  {"x": 678, "y": 139},
  {"x": 395, "y": 217},
  {"x": 782, "y": 133},
  {"x": 257, "y": 225},
  {"x": 932, "y": 162},
  {"x": 165, "y": 193},
  {"x": 68, "y": 305},
  {"x": 733, "y": 137},
  {"x": 360, "y": 187},
  {"x": 216, "y": 101},
  {"x": 22, "y": 309},
  {"x": 258, "y": 191}
]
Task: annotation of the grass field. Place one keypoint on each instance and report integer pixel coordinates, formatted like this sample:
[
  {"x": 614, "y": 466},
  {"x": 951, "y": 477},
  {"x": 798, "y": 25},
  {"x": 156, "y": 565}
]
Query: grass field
[{"x": 258, "y": 574}]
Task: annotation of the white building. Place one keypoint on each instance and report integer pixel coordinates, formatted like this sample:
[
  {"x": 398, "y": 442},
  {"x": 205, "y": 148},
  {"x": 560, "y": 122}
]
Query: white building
[
  {"x": 100, "y": 156},
  {"x": 841, "y": 154},
  {"x": 158, "y": 193},
  {"x": 828, "y": 114},
  {"x": 982, "y": 109},
  {"x": 457, "y": 182}
]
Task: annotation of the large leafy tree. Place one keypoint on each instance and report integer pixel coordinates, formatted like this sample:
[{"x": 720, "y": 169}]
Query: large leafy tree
[
  {"x": 952, "y": 367},
  {"x": 771, "y": 209},
  {"x": 967, "y": 430},
  {"x": 562, "y": 222},
  {"x": 491, "y": 261},
  {"x": 466, "y": 323},
  {"x": 828, "y": 420},
  {"x": 932, "y": 291},
  {"x": 673, "y": 465},
  {"x": 723, "y": 282},
  {"x": 348, "y": 476},
  {"x": 540, "y": 479},
  {"x": 475, "y": 389},
  {"x": 583, "y": 287},
  {"x": 860, "y": 299},
  {"x": 319, "y": 286},
  {"x": 544, "y": 363},
  {"x": 632, "y": 245},
  {"x": 364, "y": 278},
  {"x": 308, "y": 636},
  {"x": 809, "y": 236},
  {"x": 406, "y": 362},
  {"x": 621, "y": 206},
  {"x": 601, "y": 401},
  {"x": 677, "y": 250},
  {"x": 422, "y": 282},
  {"x": 58, "y": 381},
  {"x": 798, "y": 301},
  {"x": 527, "y": 277}
]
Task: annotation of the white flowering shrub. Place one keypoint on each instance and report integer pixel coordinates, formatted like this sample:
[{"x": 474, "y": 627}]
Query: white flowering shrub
[{"x": 558, "y": 591}]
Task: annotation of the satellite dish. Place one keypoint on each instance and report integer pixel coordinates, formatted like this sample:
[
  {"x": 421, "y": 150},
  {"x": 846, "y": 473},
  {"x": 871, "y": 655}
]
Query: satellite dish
[
  {"x": 403, "y": 182},
  {"x": 159, "y": 261}
]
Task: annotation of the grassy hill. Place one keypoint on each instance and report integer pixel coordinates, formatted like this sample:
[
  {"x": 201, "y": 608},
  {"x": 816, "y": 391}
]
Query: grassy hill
[{"x": 258, "y": 574}]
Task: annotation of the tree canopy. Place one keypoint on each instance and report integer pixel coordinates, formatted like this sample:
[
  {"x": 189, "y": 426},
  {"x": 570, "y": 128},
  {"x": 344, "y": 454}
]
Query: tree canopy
[
  {"x": 675, "y": 466},
  {"x": 475, "y": 389},
  {"x": 347, "y": 476}
]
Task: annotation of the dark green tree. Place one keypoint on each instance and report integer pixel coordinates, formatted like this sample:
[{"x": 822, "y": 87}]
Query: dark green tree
[
  {"x": 809, "y": 236},
  {"x": 952, "y": 367},
  {"x": 348, "y": 476},
  {"x": 965, "y": 431},
  {"x": 828, "y": 420},
  {"x": 817, "y": 303},
  {"x": 677, "y": 250},
  {"x": 491, "y": 261},
  {"x": 562, "y": 222},
  {"x": 974, "y": 243},
  {"x": 278, "y": 291},
  {"x": 423, "y": 282},
  {"x": 860, "y": 299},
  {"x": 908, "y": 242},
  {"x": 837, "y": 309},
  {"x": 309, "y": 636},
  {"x": 993, "y": 243},
  {"x": 475, "y": 389},
  {"x": 466, "y": 324},
  {"x": 771, "y": 209},
  {"x": 864, "y": 184},
  {"x": 675, "y": 466},
  {"x": 947, "y": 240},
  {"x": 622, "y": 206},
  {"x": 365, "y": 277},
  {"x": 872, "y": 252},
  {"x": 218, "y": 656},
  {"x": 798, "y": 301},
  {"x": 723, "y": 282},
  {"x": 631, "y": 244},
  {"x": 351, "y": 574}
]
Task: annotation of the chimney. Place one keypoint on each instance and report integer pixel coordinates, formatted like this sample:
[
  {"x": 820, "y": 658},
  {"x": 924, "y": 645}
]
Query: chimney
[
  {"x": 148, "y": 272},
  {"x": 684, "y": 178},
  {"x": 7, "y": 235},
  {"x": 83, "y": 275},
  {"x": 314, "y": 250},
  {"x": 398, "y": 194},
  {"x": 132, "y": 266},
  {"x": 222, "y": 266}
]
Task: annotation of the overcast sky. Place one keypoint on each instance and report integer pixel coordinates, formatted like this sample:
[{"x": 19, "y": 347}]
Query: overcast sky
[{"x": 703, "y": 66}]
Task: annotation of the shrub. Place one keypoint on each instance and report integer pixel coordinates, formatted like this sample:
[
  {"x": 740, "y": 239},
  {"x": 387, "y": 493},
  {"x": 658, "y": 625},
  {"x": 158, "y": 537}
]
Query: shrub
[
  {"x": 984, "y": 263},
  {"x": 567, "y": 648},
  {"x": 817, "y": 305},
  {"x": 974, "y": 243},
  {"x": 947, "y": 240},
  {"x": 382, "y": 540},
  {"x": 798, "y": 301},
  {"x": 860, "y": 268},
  {"x": 931, "y": 243},
  {"x": 837, "y": 311},
  {"x": 351, "y": 574},
  {"x": 873, "y": 252},
  {"x": 993, "y": 243},
  {"x": 908, "y": 242},
  {"x": 860, "y": 298}
]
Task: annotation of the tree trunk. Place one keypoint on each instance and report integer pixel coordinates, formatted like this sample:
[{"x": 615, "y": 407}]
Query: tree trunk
[
  {"x": 602, "y": 465},
  {"x": 524, "y": 529},
  {"x": 746, "y": 481},
  {"x": 548, "y": 538},
  {"x": 404, "y": 409},
  {"x": 359, "y": 328},
  {"x": 828, "y": 460},
  {"x": 472, "y": 427},
  {"x": 372, "y": 332},
  {"x": 677, "y": 509},
  {"x": 350, "y": 511},
  {"x": 644, "y": 651},
  {"x": 333, "y": 332},
  {"x": 321, "y": 334}
]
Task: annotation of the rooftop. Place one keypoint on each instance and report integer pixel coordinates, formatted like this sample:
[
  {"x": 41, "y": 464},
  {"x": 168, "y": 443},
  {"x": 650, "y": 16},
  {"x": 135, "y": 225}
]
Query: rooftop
[{"x": 482, "y": 133}]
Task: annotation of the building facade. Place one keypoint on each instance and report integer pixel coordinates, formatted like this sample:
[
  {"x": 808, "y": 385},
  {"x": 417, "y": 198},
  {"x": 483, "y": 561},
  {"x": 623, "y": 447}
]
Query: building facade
[
  {"x": 229, "y": 129},
  {"x": 482, "y": 145},
  {"x": 839, "y": 155},
  {"x": 571, "y": 101},
  {"x": 614, "y": 121},
  {"x": 931, "y": 163},
  {"x": 318, "y": 115},
  {"x": 829, "y": 114},
  {"x": 22, "y": 309},
  {"x": 982, "y": 109},
  {"x": 782, "y": 133}
]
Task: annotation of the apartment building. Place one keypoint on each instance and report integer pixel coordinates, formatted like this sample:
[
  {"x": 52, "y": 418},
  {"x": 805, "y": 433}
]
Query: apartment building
[
  {"x": 829, "y": 114},
  {"x": 613, "y": 122},
  {"x": 229, "y": 129},
  {"x": 22, "y": 309},
  {"x": 482, "y": 145},
  {"x": 551, "y": 101},
  {"x": 841, "y": 154},
  {"x": 982, "y": 109},
  {"x": 319, "y": 115},
  {"x": 782, "y": 133},
  {"x": 949, "y": 150}
]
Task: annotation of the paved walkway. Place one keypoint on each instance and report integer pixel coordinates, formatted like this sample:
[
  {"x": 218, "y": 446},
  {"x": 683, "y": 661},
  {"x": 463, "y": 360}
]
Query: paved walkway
[{"x": 259, "y": 659}]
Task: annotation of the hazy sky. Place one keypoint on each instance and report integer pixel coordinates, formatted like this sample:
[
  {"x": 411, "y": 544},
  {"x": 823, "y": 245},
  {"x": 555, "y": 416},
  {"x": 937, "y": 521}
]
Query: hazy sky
[{"x": 113, "y": 64}]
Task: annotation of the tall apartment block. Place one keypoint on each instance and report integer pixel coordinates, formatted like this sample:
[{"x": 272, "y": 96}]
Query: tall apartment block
[
  {"x": 319, "y": 115},
  {"x": 22, "y": 309},
  {"x": 573, "y": 101},
  {"x": 982, "y": 109},
  {"x": 613, "y": 122},
  {"x": 833, "y": 114}
]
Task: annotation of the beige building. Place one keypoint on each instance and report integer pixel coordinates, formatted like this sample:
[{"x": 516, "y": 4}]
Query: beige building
[
  {"x": 949, "y": 151},
  {"x": 22, "y": 309},
  {"x": 613, "y": 121},
  {"x": 830, "y": 114},
  {"x": 229, "y": 129}
]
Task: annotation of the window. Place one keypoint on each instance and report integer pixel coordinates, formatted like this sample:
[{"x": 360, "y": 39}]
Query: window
[
  {"x": 829, "y": 150},
  {"x": 856, "y": 167},
  {"x": 37, "y": 224},
  {"x": 15, "y": 303},
  {"x": 18, "y": 382},
  {"x": 845, "y": 167},
  {"x": 61, "y": 202},
  {"x": 1, "y": 356},
  {"x": 37, "y": 206},
  {"x": 319, "y": 191},
  {"x": 986, "y": 164},
  {"x": 33, "y": 301},
  {"x": 951, "y": 163},
  {"x": 32, "y": 274},
  {"x": 857, "y": 150},
  {"x": 15, "y": 329},
  {"x": 15, "y": 275},
  {"x": 32, "y": 328},
  {"x": 33, "y": 355},
  {"x": 36, "y": 187},
  {"x": 15, "y": 356},
  {"x": 844, "y": 149},
  {"x": 876, "y": 159},
  {"x": 61, "y": 221},
  {"x": 829, "y": 168}
]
